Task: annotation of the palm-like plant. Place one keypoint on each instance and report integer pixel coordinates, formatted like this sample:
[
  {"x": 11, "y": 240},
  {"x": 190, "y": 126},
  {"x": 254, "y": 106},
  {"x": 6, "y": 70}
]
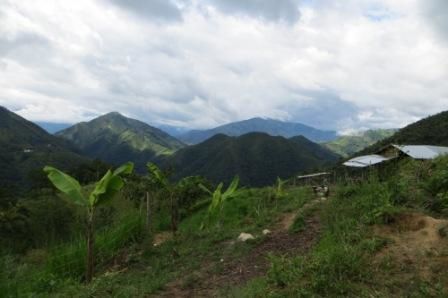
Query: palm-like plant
[
  {"x": 279, "y": 187},
  {"x": 160, "y": 180},
  {"x": 218, "y": 198},
  {"x": 105, "y": 189}
]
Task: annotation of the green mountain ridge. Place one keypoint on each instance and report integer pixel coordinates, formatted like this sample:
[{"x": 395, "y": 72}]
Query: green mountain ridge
[
  {"x": 25, "y": 147},
  {"x": 117, "y": 139},
  {"x": 432, "y": 130},
  {"x": 257, "y": 158},
  {"x": 350, "y": 144},
  {"x": 269, "y": 126}
]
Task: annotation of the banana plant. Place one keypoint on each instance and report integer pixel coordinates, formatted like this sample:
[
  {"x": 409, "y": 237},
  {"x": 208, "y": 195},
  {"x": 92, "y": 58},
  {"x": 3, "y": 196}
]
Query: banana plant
[
  {"x": 217, "y": 200},
  {"x": 159, "y": 179},
  {"x": 105, "y": 189},
  {"x": 279, "y": 188}
]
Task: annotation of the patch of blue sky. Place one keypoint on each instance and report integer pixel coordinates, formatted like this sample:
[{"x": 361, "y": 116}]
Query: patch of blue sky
[{"x": 380, "y": 14}]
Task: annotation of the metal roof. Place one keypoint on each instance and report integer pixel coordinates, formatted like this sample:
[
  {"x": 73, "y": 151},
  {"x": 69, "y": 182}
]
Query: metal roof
[
  {"x": 422, "y": 151},
  {"x": 365, "y": 161}
]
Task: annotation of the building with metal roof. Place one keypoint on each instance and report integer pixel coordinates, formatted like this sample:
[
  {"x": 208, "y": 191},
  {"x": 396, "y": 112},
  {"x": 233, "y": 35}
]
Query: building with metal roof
[
  {"x": 365, "y": 161},
  {"x": 394, "y": 151},
  {"x": 422, "y": 151}
]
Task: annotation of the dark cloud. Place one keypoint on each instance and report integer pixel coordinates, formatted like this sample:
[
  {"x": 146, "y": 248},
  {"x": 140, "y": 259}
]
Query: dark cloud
[
  {"x": 269, "y": 10},
  {"x": 325, "y": 110},
  {"x": 437, "y": 14},
  {"x": 159, "y": 10}
]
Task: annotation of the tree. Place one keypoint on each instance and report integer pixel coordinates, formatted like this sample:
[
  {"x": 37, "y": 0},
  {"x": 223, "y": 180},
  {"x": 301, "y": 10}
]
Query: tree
[
  {"x": 105, "y": 189},
  {"x": 218, "y": 199}
]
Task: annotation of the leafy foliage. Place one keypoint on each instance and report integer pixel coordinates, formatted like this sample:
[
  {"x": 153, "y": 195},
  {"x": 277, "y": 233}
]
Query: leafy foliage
[
  {"x": 103, "y": 192},
  {"x": 218, "y": 198}
]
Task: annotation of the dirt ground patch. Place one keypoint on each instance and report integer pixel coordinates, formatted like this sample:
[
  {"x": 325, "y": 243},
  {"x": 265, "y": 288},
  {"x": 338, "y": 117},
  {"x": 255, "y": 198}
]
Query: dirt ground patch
[
  {"x": 418, "y": 245},
  {"x": 229, "y": 273},
  {"x": 162, "y": 237}
]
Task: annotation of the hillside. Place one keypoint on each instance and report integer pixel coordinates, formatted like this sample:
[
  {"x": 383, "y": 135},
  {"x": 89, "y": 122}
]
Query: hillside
[
  {"x": 256, "y": 157},
  {"x": 269, "y": 126},
  {"x": 432, "y": 130},
  {"x": 348, "y": 145},
  {"x": 25, "y": 147},
  {"x": 117, "y": 139}
]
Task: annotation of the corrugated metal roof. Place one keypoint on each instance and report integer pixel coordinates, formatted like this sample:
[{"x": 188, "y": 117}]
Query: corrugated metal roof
[
  {"x": 365, "y": 161},
  {"x": 422, "y": 151}
]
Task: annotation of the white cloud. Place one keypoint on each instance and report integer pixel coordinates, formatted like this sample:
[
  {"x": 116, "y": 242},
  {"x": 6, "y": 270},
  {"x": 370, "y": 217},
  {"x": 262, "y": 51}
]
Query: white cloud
[{"x": 333, "y": 64}]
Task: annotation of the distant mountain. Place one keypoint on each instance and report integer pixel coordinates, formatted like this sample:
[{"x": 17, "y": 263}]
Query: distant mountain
[
  {"x": 174, "y": 131},
  {"x": 269, "y": 126},
  {"x": 432, "y": 130},
  {"x": 53, "y": 127},
  {"x": 25, "y": 149},
  {"x": 257, "y": 158},
  {"x": 117, "y": 139},
  {"x": 348, "y": 145}
]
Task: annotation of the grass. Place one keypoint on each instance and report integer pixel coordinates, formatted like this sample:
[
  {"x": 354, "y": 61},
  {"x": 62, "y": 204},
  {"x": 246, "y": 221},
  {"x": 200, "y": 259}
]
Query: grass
[
  {"x": 252, "y": 211},
  {"x": 344, "y": 263}
]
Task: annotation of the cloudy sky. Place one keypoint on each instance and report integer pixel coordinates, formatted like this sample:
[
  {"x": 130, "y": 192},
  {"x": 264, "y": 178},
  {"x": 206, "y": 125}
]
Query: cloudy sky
[{"x": 343, "y": 65}]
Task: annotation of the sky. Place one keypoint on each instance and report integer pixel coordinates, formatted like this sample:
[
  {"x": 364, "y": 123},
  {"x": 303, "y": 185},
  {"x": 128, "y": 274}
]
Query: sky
[{"x": 343, "y": 65}]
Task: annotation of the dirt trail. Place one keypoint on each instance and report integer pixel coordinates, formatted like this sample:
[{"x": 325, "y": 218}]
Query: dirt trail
[{"x": 237, "y": 272}]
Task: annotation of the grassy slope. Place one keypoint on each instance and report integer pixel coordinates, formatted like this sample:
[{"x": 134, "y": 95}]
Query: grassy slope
[
  {"x": 117, "y": 139},
  {"x": 146, "y": 269},
  {"x": 429, "y": 131},
  {"x": 351, "y": 259},
  {"x": 349, "y": 145}
]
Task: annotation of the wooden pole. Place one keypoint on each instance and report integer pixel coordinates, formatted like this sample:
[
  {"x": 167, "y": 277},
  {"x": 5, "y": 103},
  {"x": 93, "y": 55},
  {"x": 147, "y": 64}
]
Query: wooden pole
[
  {"x": 90, "y": 248},
  {"x": 148, "y": 212}
]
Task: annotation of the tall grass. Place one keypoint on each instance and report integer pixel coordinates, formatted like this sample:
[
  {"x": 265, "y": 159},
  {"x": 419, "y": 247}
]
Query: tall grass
[
  {"x": 69, "y": 260},
  {"x": 66, "y": 263}
]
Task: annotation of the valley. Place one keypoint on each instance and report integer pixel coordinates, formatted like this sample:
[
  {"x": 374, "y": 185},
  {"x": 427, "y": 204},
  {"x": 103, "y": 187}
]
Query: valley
[{"x": 163, "y": 235}]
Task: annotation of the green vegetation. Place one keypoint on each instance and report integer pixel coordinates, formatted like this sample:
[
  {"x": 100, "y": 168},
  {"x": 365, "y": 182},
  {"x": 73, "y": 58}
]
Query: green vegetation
[
  {"x": 218, "y": 198},
  {"x": 257, "y": 158},
  {"x": 104, "y": 191},
  {"x": 25, "y": 148},
  {"x": 349, "y": 145},
  {"x": 382, "y": 235},
  {"x": 117, "y": 139},
  {"x": 429, "y": 131},
  {"x": 347, "y": 261},
  {"x": 131, "y": 265}
]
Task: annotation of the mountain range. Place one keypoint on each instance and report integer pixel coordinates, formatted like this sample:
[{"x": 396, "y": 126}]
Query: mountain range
[
  {"x": 269, "y": 126},
  {"x": 257, "y": 158},
  {"x": 51, "y": 127},
  {"x": 25, "y": 148},
  {"x": 116, "y": 139}
]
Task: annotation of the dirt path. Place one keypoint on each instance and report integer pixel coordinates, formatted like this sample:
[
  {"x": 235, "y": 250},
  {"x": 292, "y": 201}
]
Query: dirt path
[{"x": 237, "y": 272}]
